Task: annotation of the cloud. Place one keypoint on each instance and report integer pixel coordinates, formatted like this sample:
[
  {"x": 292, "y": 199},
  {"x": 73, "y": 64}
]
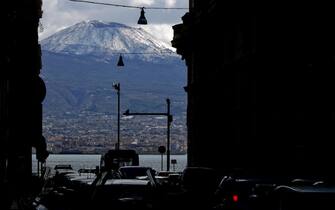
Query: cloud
[
  {"x": 142, "y": 2},
  {"x": 170, "y": 3},
  {"x": 58, "y": 14},
  {"x": 163, "y": 32}
]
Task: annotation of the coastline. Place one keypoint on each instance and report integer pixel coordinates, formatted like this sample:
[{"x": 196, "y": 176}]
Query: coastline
[
  {"x": 78, "y": 161},
  {"x": 81, "y": 153}
]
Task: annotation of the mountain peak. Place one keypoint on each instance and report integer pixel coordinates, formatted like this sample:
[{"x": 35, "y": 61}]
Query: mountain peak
[
  {"x": 103, "y": 39},
  {"x": 103, "y": 24}
]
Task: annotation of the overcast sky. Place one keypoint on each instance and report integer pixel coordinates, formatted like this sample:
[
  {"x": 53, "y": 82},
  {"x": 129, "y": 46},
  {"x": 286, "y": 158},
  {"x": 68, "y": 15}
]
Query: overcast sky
[{"x": 59, "y": 14}]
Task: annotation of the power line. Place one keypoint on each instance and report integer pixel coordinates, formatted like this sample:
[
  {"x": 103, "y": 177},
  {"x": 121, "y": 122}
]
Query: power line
[
  {"x": 128, "y": 6},
  {"x": 108, "y": 4}
]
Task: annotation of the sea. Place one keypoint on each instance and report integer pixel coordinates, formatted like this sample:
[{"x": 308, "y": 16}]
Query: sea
[{"x": 78, "y": 161}]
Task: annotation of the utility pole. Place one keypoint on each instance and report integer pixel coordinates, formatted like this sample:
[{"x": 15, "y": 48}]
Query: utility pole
[
  {"x": 169, "y": 121},
  {"x": 118, "y": 88}
]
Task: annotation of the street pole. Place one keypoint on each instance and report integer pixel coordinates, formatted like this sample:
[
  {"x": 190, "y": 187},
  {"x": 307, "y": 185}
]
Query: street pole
[
  {"x": 169, "y": 120},
  {"x": 118, "y": 117},
  {"x": 161, "y": 150},
  {"x": 162, "y": 162},
  {"x": 117, "y": 88}
]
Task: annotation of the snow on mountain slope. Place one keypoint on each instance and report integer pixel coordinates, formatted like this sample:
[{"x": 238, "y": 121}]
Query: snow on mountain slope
[{"x": 103, "y": 40}]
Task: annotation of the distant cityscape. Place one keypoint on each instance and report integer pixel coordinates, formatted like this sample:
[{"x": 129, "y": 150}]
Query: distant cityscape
[
  {"x": 95, "y": 133},
  {"x": 80, "y": 105}
]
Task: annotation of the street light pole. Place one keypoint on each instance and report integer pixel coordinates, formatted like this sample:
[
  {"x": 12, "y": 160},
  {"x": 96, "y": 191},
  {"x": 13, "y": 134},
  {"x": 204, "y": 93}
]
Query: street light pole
[
  {"x": 118, "y": 88},
  {"x": 169, "y": 121}
]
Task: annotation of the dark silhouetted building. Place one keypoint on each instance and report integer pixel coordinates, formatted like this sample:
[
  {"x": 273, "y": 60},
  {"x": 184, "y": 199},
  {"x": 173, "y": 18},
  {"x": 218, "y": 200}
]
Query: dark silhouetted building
[
  {"x": 21, "y": 94},
  {"x": 260, "y": 88}
]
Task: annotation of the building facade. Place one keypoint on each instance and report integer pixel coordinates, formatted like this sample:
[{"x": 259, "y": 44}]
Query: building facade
[
  {"x": 21, "y": 94},
  {"x": 260, "y": 88}
]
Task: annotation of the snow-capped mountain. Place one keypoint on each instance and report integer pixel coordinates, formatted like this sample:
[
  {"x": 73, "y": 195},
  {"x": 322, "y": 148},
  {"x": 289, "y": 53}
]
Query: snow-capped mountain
[
  {"x": 101, "y": 39},
  {"x": 79, "y": 68}
]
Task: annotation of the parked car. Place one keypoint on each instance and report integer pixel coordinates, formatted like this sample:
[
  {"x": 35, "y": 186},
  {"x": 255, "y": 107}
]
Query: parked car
[{"x": 132, "y": 172}]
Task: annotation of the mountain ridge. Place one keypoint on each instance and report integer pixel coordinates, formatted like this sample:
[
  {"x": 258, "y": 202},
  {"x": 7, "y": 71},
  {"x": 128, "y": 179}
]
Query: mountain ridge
[
  {"x": 80, "y": 108},
  {"x": 80, "y": 78},
  {"x": 104, "y": 39}
]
